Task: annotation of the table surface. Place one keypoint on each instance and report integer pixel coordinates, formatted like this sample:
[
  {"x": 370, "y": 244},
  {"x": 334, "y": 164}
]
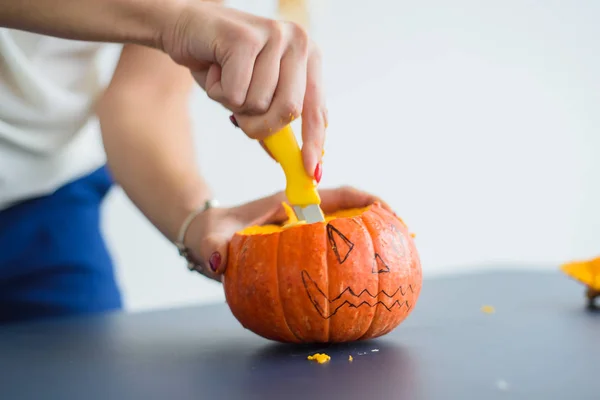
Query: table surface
[{"x": 541, "y": 343}]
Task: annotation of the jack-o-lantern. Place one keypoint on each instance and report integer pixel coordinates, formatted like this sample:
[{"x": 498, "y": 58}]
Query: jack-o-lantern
[{"x": 355, "y": 276}]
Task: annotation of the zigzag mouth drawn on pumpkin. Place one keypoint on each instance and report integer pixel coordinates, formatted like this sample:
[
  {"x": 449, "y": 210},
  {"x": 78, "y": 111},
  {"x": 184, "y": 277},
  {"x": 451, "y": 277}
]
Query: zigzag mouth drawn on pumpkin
[{"x": 351, "y": 299}]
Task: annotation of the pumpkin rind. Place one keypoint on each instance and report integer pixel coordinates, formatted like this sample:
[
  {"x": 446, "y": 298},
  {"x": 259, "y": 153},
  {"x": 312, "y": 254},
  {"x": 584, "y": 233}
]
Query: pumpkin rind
[{"x": 351, "y": 278}]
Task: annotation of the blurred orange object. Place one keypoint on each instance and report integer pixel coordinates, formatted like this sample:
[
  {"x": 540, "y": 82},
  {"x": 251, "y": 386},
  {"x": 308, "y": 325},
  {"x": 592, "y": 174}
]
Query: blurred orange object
[
  {"x": 586, "y": 272},
  {"x": 294, "y": 11}
]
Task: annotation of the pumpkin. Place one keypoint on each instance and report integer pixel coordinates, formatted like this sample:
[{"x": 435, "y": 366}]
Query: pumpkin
[{"x": 355, "y": 276}]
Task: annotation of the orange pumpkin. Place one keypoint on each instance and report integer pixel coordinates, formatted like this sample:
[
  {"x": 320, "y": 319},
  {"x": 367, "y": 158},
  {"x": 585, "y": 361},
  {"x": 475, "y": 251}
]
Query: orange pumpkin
[{"x": 355, "y": 276}]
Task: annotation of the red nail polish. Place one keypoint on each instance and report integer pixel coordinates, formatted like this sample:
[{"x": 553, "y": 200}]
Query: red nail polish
[
  {"x": 318, "y": 172},
  {"x": 215, "y": 261},
  {"x": 233, "y": 121}
]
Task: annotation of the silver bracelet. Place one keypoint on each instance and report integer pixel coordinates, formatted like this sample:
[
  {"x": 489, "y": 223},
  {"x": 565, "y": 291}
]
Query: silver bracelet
[{"x": 180, "y": 242}]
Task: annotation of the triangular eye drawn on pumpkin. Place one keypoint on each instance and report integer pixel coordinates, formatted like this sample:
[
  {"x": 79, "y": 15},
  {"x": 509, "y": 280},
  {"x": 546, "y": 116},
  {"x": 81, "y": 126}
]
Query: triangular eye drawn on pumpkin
[
  {"x": 340, "y": 244},
  {"x": 379, "y": 266}
]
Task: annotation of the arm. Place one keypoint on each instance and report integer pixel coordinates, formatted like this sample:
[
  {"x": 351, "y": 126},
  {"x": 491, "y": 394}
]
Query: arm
[
  {"x": 121, "y": 21},
  {"x": 221, "y": 46},
  {"x": 147, "y": 135}
]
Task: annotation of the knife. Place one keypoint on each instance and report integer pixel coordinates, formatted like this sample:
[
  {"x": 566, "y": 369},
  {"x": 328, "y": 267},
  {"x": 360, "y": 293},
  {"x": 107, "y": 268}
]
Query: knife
[{"x": 301, "y": 189}]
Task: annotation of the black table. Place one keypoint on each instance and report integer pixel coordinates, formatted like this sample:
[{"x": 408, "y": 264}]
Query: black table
[{"x": 541, "y": 343}]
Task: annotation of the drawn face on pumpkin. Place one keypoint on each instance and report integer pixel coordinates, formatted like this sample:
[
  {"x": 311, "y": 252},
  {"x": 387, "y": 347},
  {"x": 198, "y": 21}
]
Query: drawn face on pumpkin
[
  {"x": 355, "y": 277},
  {"x": 351, "y": 297}
]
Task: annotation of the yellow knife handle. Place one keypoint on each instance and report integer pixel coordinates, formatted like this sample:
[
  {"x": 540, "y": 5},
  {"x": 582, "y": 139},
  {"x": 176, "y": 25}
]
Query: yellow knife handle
[{"x": 301, "y": 189}]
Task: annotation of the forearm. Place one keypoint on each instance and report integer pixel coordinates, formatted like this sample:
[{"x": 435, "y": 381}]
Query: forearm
[
  {"x": 120, "y": 21},
  {"x": 150, "y": 153}
]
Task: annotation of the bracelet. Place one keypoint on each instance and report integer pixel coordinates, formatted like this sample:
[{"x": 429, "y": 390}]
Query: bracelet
[{"x": 180, "y": 242}]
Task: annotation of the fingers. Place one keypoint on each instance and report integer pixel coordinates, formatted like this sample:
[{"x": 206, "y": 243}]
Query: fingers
[
  {"x": 266, "y": 74},
  {"x": 208, "y": 240},
  {"x": 288, "y": 99},
  {"x": 230, "y": 87},
  {"x": 265, "y": 71},
  {"x": 270, "y": 76},
  {"x": 289, "y": 96},
  {"x": 210, "y": 233},
  {"x": 347, "y": 197},
  {"x": 262, "y": 211},
  {"x": 213, "y": 249},
  {"x": 314, "y": 115}
]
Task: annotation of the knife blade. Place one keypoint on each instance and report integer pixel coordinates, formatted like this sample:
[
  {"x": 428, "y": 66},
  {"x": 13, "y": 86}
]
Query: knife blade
[{"x": 301, "y": 189}]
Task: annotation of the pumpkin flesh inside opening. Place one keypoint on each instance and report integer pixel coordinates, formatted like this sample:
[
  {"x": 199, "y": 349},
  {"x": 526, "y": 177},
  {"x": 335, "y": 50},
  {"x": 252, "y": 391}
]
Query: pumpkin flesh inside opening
[{"x": 292, "y": 221}]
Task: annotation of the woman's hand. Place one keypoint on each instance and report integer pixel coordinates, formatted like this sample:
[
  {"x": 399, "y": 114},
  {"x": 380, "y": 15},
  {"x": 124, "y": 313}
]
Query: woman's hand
[
  {"x": 209, "y": 234},
  {"x": 266, "y": 72}
]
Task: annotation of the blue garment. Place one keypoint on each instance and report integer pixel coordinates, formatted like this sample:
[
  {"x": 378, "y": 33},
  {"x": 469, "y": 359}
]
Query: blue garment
[{"x": 53, "y": 258}]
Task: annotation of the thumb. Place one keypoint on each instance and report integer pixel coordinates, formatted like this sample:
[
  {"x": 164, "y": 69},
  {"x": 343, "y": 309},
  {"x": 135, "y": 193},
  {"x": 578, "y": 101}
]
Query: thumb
[
  {"x": 262, "y": 211},
  {"x": 213, "y": 249},
  {"x": 209, "y": 78}
]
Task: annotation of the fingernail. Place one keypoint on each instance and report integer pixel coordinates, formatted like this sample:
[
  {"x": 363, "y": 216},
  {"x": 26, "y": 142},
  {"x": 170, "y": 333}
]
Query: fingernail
[
  {"x": 233, "y": 121},
  {"x": 215, "y": 261},
  {"x": 318, "y": 173}
]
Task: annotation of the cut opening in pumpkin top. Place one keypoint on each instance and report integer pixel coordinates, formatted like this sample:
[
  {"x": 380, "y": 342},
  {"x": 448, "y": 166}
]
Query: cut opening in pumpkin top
[{"x": 292, "y": 221}]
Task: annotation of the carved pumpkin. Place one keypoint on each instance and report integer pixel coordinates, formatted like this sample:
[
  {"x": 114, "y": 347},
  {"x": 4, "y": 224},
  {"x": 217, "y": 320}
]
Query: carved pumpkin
[{"x": 355, "y": 276}]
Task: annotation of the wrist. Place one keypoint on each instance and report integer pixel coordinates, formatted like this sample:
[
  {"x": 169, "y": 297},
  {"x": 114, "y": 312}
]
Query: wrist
[
  {"x": 168, "y": 18},
  {"x": 187, "y": 205},
  {"x": 187, "y": 34},
  {"x": 164, "y": 19},
  {"x": 185, "y": 234}
]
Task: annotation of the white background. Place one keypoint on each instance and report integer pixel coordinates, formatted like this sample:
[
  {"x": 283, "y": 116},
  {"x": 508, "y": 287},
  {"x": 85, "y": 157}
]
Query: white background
[{"x": 478, "y": 122}]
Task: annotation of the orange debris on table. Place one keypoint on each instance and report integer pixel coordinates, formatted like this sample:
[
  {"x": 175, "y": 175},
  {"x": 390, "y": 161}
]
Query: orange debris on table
[
  {"x": 319, "y": 357},
  {"x": 488, "y": 309}
]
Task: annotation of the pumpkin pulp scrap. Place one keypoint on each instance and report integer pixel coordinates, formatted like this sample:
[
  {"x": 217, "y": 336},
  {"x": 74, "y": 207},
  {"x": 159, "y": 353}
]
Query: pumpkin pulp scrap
[
  {"x": 293, "y": 221},
  {"x": 321, "y": 358}
]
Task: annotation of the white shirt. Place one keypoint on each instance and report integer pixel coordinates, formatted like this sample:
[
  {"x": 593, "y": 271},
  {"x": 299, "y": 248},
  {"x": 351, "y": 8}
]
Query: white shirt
[{"x": 48, "y": 131}]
